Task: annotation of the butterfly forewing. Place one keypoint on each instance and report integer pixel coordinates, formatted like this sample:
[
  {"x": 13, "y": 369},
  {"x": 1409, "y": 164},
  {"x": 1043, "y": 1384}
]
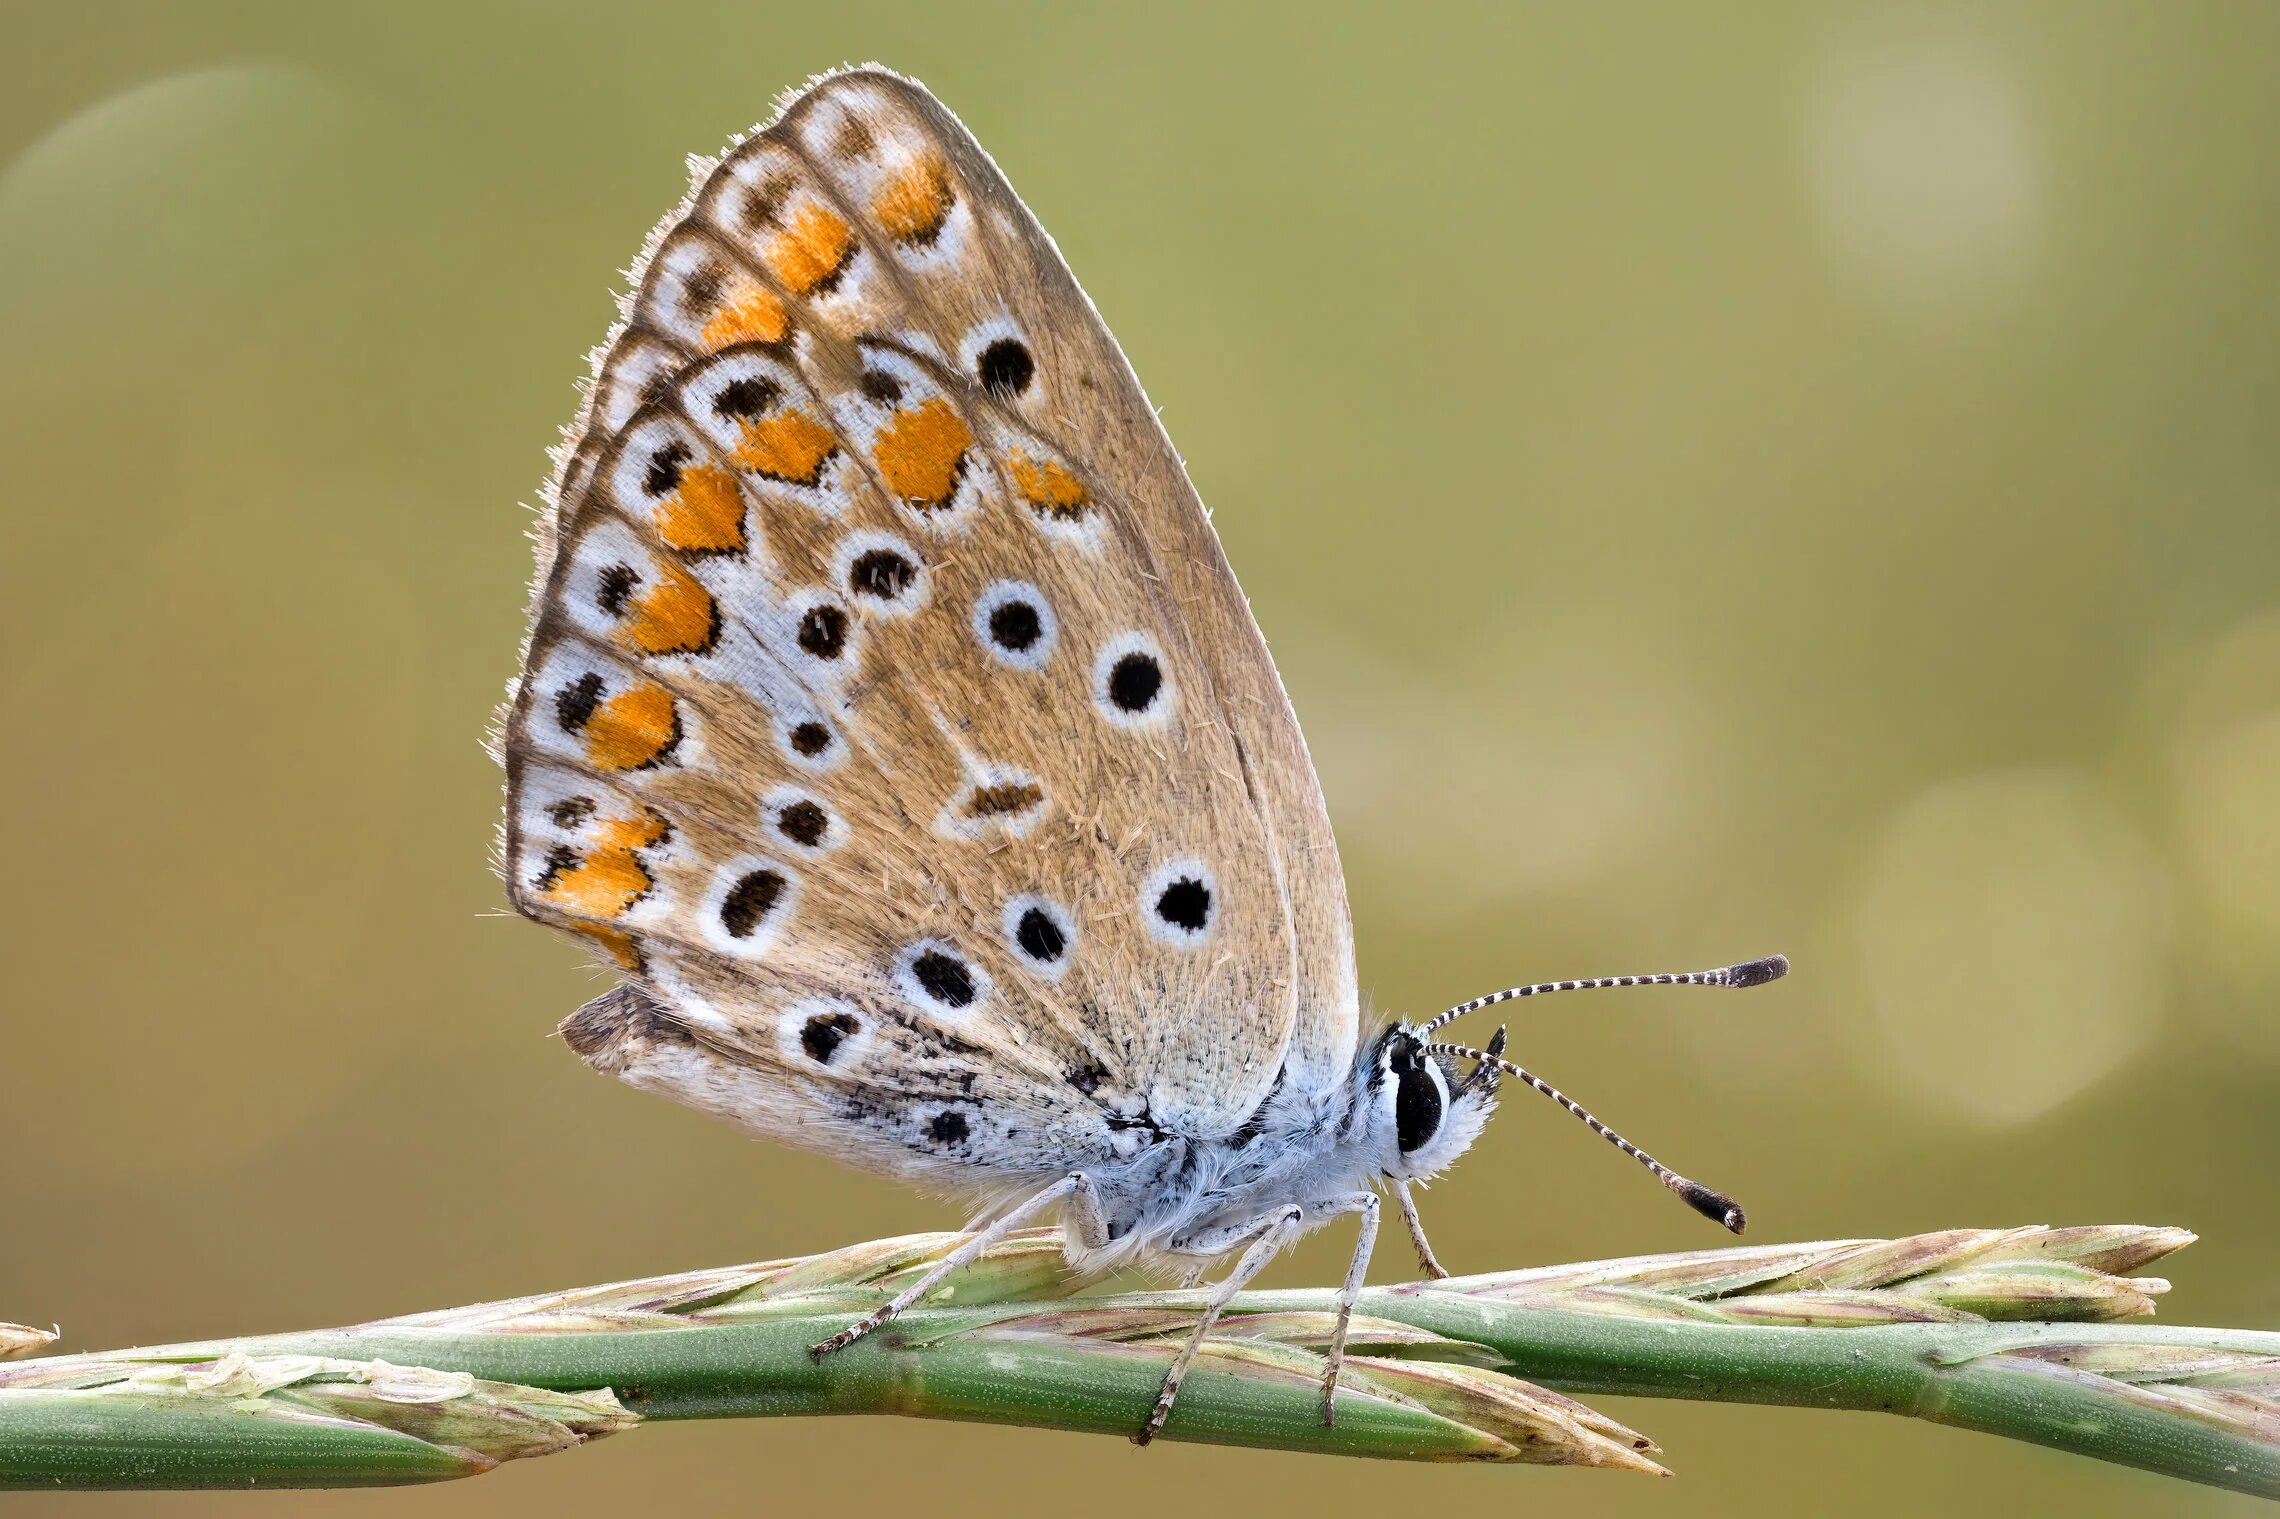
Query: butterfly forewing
[{"x": 890, "y": 715}]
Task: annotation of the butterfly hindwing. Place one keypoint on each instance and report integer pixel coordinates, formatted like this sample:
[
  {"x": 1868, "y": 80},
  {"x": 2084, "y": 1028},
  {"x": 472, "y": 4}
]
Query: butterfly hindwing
[{"x": 890, "y": 715}]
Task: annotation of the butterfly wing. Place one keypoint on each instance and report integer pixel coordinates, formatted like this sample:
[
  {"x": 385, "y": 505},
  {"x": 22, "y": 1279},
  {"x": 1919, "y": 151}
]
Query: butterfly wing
[{"x": 890, "y": 713}]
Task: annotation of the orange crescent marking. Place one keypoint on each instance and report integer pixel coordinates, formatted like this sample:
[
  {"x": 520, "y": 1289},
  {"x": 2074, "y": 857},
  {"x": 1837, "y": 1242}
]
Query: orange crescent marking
[
  {"x": 788, "y": 446},
  {"x": 603, "y": 885},
  {"x": 619, "y": 943},
  {"x": 811, "y": 250},
  {"x": 632, "y": 729},
  {"x": 674, "y": 616},
  {"x": 756, "y": 317},
  {"x": 916, "y": 202},
  {"x": 1047, "y": 485},
  {"x": 705, "y": 514},
  {"x": 640, "y": 832},
  {"x": 920, "y": 451}
]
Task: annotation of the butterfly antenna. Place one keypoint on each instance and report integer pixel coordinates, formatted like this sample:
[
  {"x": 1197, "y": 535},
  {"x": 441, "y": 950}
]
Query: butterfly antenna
[
  {"x": 1748, "y": 973},
  {"x": 1713, "y": 1205}
]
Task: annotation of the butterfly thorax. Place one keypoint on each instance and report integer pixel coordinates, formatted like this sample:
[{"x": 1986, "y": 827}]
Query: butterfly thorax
[{"x": 1401, "y": 1112}]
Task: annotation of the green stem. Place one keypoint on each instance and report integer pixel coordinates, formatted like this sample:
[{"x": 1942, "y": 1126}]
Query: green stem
[
  {"x": 1959, "y": 1374},
  {"x": 70, "y": 1439},
  {"x": 1436, "y": 1370}
]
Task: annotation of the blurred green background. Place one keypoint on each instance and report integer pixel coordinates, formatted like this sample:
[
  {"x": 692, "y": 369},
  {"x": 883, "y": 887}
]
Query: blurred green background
[{"x": 1716, "y": 479}]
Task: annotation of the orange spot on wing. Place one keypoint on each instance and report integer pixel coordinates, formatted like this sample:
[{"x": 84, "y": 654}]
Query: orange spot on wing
[
  {"x": 639, "y": 832},
  {"x": 676, "y": 615},
  {"x": 915, "y": 202},
  {"x": 602, "y": 885},
  {"x": 610, "y": 879},
  {"x": 923, "y": 451},
  {"x": 812, "y": 250},
  {"x": 788, "y": 446},
  {"x": 1047, "y": 485},
  {"x": 637, "y": 727},
  {"x": 705, "y": 513},
  {"x": 754, "y": 317},
  {"x": 619, "y": 943}
]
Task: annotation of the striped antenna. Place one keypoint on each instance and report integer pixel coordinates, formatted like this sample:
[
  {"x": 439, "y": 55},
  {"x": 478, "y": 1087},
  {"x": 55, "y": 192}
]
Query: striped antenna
[
  {"x": 1713, "y": 1205},
  {"x": 1748, "y": 973}
]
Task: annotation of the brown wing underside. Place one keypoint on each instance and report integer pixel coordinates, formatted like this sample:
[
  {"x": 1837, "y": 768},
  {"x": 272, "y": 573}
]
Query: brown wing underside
[{"x": 890, "y": 712}]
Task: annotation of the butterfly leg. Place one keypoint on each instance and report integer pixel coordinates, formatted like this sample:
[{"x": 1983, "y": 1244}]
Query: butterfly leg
[
  {"x": 1349, "y": 1291},
  {"x": 1076, "y": 1185},
  {"x": 1267, "y": 1237},
  {"x": 1426, "y": 1260}
]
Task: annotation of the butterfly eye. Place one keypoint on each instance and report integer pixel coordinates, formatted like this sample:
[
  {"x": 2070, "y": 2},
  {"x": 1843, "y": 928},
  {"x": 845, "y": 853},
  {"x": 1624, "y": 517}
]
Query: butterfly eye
[
  {"x": 1016, "y": 624},
  {"x": 1179, "y": 902},
  {"x": 1130, "y": 686},
  {"x": 1005, "y": 368},
  {"x": 1417, "y": 1100}
]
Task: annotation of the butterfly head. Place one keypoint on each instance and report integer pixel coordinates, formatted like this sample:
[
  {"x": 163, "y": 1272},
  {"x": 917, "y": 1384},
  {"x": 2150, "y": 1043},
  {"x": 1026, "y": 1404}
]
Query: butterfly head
[{"x": 1424, "y": 1109}]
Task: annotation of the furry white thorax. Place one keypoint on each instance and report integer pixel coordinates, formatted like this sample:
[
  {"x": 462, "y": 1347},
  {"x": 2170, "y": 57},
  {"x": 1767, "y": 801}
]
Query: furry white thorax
[{"x": 1302, "y": 1148}]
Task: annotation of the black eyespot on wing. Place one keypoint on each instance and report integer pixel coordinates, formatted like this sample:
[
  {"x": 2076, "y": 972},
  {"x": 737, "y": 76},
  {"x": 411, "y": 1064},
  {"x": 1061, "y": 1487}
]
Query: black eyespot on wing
[
  {"x": 700, "y": 292},
  {"x": 1087, "y": 1078},
  {"x": 574, "y": 704},
  {"x": 663, "y": 476},
  {"x": 1134, "y": 681},
  {"x": 749, "y": 902},
  {"x": 1015, "y": 626},
  {"x": 880, "y": 386},
  {"x": 882, "y": 573},
  {"x": 1417, "y": 1104},
  {"x": 1039, "y": 936},
  {"x": 822, "y": 1035},
  {"x": 560, "y": 861},
  {"x": 804, "y": 823},
  {"x": 1185, "y": 904},
  {"x": 1005, "y": 368},
  {"x": 948, "y": 1127},
  {"x": 823, "y": 631},
  {"x": 746, "y": 397},
  {"x": 944, "y": 978},
  {"x": 571, "y": 811},
  {"x": 810, "y": 739},
  {"x": 766, "y": 203},
  {"x": 1004, "y": 799},
  {"x": 613, "y": 585}
]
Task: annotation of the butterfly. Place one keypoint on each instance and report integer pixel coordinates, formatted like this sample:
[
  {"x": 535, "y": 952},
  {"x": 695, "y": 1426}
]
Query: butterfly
[{"x": 891, "y": 719}]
